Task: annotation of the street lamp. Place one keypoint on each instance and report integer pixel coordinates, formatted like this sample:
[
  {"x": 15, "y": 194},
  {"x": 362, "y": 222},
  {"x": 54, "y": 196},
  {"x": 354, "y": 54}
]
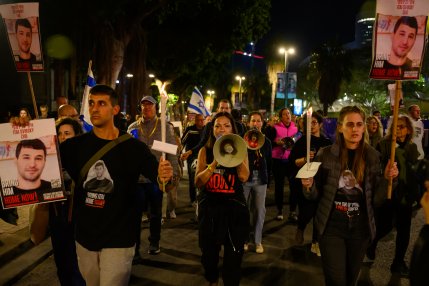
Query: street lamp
[
  {"x": 239, "y": 78},
  {"x": 286, "y": 52}
]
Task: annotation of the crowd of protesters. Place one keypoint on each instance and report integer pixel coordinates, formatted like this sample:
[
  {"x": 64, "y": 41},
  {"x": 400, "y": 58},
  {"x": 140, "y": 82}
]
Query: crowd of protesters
[{"x": 346, "y": 198}]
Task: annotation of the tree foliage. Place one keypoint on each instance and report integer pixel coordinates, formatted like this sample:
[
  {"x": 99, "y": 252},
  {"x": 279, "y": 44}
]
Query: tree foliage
[
  {"x": 333, "y": 65},
  {"x": 188, "y": 42}
]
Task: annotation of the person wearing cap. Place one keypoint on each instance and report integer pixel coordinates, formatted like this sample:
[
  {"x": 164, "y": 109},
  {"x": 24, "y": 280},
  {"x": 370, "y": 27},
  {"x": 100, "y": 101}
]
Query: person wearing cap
[{"x": 147, "y": 129}]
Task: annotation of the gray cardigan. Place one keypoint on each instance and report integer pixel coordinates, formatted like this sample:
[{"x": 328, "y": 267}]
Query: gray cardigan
[
  {"x": 327, "y": 178},
  {"x": 148, "y": 132}
]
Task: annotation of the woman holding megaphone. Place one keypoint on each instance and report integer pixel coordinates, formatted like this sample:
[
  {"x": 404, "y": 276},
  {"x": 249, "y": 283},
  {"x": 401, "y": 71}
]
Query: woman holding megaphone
[
  {"x": 255, "y": 189},
  {"x": 223, "y": 216}
]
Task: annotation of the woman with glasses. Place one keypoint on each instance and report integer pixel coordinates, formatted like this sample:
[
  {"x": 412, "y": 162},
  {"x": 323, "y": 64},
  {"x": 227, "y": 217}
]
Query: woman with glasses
[
  {"x": 344, "y": 218},
  {"x": 404, "y": 193},
  {"x": 375, "y": 130}
]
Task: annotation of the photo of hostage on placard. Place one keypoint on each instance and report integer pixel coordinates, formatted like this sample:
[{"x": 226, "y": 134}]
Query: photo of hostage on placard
[
  {"x": 398, "y": 47},
  {"x": 98, "y": 179},
  {"x": 25, "y": 43},
  {"x": 30, "y": 173}
]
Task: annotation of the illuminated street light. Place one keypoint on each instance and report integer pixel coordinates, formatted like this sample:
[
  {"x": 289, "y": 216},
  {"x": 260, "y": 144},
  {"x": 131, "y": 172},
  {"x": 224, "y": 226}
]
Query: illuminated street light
[
  {"x": 129, "y": 75},
  {"x": 286, "y": 52},
  {"x": 240, "y": 79}
]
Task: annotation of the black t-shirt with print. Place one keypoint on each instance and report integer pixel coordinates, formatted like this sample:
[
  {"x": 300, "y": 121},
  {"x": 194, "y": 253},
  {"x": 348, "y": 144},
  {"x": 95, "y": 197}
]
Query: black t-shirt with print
[{"x": 107, "y": 220}]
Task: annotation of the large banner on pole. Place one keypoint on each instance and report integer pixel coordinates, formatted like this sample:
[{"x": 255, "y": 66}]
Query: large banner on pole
[
  {"x": 22, "y": 25},
  {"x": 399, "y": 39},
  {"x": 30, "y": 170}
]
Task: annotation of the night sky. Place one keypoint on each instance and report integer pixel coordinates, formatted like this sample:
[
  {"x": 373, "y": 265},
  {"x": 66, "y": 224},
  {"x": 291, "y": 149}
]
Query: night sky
[{"x": 306, "y": 24}]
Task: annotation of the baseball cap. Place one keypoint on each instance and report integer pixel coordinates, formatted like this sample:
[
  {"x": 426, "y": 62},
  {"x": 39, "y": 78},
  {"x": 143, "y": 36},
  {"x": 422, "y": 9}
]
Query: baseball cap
[{"x": 148, "y": 98}]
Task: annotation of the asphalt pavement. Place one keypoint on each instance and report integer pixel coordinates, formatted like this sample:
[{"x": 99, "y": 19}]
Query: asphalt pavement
[{"x": 282, "y": 263}]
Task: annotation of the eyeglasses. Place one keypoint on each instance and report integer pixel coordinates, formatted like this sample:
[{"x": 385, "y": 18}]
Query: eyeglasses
[
  {"x": 353, "y": 124},
  {"x": 401, "y": 126},
  {"x": 314, "y": 123}
]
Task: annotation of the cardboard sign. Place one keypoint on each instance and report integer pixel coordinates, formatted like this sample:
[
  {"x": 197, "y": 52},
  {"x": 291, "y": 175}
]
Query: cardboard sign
[
  {"x": 22, "y": 25},
  {"x": 30, "y": 170}
]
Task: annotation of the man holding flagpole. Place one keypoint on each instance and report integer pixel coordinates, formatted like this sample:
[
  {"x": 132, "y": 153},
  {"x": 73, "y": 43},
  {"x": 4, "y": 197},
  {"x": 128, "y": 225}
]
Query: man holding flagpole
[{"x": 223, "y": 106}]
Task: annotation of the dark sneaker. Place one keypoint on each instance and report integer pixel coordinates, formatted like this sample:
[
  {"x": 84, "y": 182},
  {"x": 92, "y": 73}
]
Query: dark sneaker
[
  {"x": 154, "y": 249},
  {"x": 400, "y": 268},
  {"x": 370, "y": 253},
  {"x": 299, "y": 237},
  {"x": 137, "y": 259},
  {"x": 293, "y": 217}
]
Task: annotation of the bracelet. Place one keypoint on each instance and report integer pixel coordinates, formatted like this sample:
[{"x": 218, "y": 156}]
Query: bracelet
[{"x": 209, "y": 167}]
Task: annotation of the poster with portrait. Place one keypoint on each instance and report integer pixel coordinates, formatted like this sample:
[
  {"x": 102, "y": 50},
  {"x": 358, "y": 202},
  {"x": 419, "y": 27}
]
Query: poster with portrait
[
  {"x": 30, "y": 170},
  {"x": 281, "y": 85},
  {"x": 399, "y": 39},
  {"x": 22, "y": 25}
]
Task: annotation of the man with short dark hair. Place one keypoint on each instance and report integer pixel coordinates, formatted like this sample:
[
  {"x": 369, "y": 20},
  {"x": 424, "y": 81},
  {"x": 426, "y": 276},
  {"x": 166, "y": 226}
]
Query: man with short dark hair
[
  {"x": 24, "y": 37},
  {"x": 403, "y": 39},
  {"x": 191, "y": 137},
  {"x": 30, "y": 160},
  {"x": 223, "y": 106},
  {"x": 105, "y": 222}
]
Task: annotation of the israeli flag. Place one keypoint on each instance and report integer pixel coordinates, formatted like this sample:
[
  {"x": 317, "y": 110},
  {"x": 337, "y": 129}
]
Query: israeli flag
[
  {"x": 196, "y": 104},
  {"x": 84, "y": 108}
]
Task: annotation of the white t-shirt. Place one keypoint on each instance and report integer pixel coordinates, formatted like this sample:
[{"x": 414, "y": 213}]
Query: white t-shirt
[{"x": 418, "y": 136}]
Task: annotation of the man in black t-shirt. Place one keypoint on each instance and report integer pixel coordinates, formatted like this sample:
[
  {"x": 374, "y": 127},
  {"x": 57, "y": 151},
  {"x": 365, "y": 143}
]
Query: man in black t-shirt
[
  {"x": 105, "y": 222},
  {"x": 191, "y": 137}
]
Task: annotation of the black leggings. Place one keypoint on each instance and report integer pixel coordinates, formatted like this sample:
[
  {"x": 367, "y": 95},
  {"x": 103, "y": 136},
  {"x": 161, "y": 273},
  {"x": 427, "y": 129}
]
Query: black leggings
[{"x": 393, "y": 214}]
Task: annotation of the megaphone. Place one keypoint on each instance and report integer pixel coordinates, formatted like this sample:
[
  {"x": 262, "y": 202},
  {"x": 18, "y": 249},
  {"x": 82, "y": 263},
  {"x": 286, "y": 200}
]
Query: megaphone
[
  {"x": 254, "y": 139},
  {"x": 289, "y": 142},
  {"x": 230, "y": 150}
]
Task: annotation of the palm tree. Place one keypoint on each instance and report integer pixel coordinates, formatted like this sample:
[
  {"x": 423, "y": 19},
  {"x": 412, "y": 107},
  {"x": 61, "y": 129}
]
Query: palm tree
[{"x": 333, "y": 66}]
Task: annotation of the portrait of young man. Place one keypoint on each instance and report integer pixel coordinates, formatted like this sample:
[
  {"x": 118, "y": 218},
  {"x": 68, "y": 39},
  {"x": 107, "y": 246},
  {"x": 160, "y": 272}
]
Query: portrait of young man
[{"x": 30, "y": 163}]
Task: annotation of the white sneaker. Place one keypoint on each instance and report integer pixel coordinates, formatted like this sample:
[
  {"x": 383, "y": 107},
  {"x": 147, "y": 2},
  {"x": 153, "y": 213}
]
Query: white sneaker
[
  {"x": 315, "y": 249},
  {"x": 173, "y": 214},
  {"x": 145, "y": 218},
  {"x": 259, "y": 248}
]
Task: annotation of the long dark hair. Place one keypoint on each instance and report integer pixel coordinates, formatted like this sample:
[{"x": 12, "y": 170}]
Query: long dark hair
[
  {"x": 212, "y": 139},
  {"x": 358, "y": 166}
]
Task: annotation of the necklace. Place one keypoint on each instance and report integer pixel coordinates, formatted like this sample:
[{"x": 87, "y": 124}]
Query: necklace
[{"x": 153, "y": 130}]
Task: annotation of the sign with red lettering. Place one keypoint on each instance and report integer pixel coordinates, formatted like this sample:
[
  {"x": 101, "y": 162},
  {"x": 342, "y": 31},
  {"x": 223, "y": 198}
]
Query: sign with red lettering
[
  {"x": 399, "y": 39},
  {"x": 29, "y": 164},
  {"x": 22, "y": 25}
]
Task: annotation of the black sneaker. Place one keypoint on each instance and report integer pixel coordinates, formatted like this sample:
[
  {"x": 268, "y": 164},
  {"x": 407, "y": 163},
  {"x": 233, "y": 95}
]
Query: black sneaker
[
  {"x": 293, "y": 217},
  {"x": 400, "y": 268},
  {"x": 137, "y": 259},
  {"x": 154, "y": 249},
  {"x": 370, "y": 253}
]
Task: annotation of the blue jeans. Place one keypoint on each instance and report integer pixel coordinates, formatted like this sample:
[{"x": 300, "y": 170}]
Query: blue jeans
[
  {"x": 149, "y": 196},
  {"x": 255, "y": 197}
]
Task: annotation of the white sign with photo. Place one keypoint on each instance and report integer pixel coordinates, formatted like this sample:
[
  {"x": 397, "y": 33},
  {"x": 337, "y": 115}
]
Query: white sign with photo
[{"x": 30, "y": 170}]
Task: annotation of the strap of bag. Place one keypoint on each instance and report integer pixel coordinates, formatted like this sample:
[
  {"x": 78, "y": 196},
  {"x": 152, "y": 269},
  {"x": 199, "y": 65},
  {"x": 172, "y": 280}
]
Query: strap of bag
[{"x": 100, "y": 153}]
